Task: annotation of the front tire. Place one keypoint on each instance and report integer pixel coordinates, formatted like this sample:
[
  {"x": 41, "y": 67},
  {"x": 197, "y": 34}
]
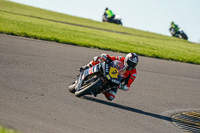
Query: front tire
[
  {"x": 72, "y": 87},
  {"x": 93, "y": 86}
]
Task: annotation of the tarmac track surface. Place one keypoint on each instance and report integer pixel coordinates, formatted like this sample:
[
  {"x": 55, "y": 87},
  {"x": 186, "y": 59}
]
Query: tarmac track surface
[{"x": 34, "y": 77}]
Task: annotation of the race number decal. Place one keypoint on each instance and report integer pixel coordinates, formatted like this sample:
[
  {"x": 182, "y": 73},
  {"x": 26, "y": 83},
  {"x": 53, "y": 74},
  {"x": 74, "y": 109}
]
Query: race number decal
[{"x": 113, "y": 72}]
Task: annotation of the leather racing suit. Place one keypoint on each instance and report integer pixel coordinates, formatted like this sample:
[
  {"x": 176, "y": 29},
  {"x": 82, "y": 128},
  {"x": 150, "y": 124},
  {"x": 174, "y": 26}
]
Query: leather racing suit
[{"x": 128, "y": 77}]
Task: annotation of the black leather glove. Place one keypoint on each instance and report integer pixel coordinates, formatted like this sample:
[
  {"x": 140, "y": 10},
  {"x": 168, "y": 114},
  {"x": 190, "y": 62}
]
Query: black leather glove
[{"x": 83, "y": 68}]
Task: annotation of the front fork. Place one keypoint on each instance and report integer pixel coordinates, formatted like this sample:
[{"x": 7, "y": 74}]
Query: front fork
[{"x": 79, "y": 81}]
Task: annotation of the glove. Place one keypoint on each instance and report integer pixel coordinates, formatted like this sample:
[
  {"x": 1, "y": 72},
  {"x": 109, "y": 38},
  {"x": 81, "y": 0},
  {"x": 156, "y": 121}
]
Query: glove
[
  {"x": 83, "y": 68},
  {"x": 104, "y": 56},
  {"x": 123, "y": 87}
]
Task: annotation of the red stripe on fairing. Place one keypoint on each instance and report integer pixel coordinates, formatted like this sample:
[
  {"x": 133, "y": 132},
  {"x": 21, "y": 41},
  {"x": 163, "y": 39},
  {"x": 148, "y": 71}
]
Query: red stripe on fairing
[
  {"x": 90, "y": 70},
  {"x": 83, "y": 77}
]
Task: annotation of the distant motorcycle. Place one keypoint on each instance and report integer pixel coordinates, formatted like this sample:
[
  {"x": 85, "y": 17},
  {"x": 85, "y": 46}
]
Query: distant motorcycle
[
  {"x": 179, "y": 34},
  {"x": 115, "y": 20},
  {"x": 99, "y": 78}
]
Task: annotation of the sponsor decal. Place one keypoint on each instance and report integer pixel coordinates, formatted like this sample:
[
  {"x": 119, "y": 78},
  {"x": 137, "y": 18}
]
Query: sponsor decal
[
  {"x": 108, "y": 77},
  {"x": 90, "y": 70},
  {"x": 113, "y": 72},
  {"x": 115, "y": 81},
  {"x": 107, "y": 68}
]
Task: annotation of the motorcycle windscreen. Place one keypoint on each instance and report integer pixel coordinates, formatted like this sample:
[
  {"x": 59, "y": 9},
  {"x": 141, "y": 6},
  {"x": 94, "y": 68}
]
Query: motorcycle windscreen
[{"x": 116, "y": 70}]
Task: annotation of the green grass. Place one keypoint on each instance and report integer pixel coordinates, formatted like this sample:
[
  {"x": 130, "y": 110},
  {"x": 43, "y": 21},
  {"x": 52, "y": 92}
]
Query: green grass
[
  {"x": 21, "y": 20},
  {"x": 5, "y": 130}
]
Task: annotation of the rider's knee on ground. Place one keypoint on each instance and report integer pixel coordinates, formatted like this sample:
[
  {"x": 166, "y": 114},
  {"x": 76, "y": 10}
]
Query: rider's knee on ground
[{"x": 110, "y": 95}]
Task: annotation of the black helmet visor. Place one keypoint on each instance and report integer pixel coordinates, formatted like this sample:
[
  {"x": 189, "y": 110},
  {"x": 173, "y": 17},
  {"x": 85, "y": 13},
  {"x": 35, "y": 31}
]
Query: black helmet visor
[{"x": 131, "y": 64}]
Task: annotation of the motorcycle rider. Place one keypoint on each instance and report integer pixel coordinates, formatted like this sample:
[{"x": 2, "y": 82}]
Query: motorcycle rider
[
  {"x": 109, "y": 15},
  {"x": 174, "y": 28},
  {"x": 130, "y": 61}
]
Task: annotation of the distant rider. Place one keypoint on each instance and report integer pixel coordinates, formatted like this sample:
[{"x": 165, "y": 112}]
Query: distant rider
[
  {"x": 130, "y": 61},
  {"x": 174, "y": 28},
  {"x": 109, "y": 15}
]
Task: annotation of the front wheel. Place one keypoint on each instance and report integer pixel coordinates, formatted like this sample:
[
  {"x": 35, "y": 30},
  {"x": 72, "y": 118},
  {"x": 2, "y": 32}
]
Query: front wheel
[
  {"x": 72, "y": 88},
  {"x": 92, "y": 87}
]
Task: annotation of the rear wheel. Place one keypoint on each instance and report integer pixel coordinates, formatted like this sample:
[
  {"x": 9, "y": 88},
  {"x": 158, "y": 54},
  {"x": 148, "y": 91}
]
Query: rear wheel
[
  {"x": 184, "y": 36},
  {"x": 89, "y": 88}
]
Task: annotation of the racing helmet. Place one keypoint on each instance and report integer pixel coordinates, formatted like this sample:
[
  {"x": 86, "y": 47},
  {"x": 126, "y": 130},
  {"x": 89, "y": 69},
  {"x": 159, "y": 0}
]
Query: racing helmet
[
  {"x": 106, "y": 8},
  {"x": 131, "y": 61}
]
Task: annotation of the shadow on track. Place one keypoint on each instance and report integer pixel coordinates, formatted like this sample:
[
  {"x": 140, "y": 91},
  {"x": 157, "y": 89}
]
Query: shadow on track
[
  {"x": 188, "y": 125},
  {"x": 131, "y": 109}
]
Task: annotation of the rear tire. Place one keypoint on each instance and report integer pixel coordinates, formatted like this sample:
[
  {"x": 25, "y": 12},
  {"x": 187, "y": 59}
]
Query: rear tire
[
  {"x": 184, "y": 36},
  {"x": 93, "y": 86}
]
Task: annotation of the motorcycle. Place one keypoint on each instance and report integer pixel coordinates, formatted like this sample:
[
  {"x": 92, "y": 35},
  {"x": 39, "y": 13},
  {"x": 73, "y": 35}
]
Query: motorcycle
[
  {"x": 115, "y": 20},
  {"x": 99, "y": 78},
  {"x": 179, "y": 34}
]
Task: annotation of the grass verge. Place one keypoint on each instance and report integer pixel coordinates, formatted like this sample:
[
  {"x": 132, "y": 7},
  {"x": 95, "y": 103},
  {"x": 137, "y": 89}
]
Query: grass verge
[
  {"x": 26, "y": 21},
  {"x": 5, "y": 130}
]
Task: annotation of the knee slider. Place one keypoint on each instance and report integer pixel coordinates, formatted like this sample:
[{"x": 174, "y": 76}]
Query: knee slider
[{"x": 110, "y": 95}]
